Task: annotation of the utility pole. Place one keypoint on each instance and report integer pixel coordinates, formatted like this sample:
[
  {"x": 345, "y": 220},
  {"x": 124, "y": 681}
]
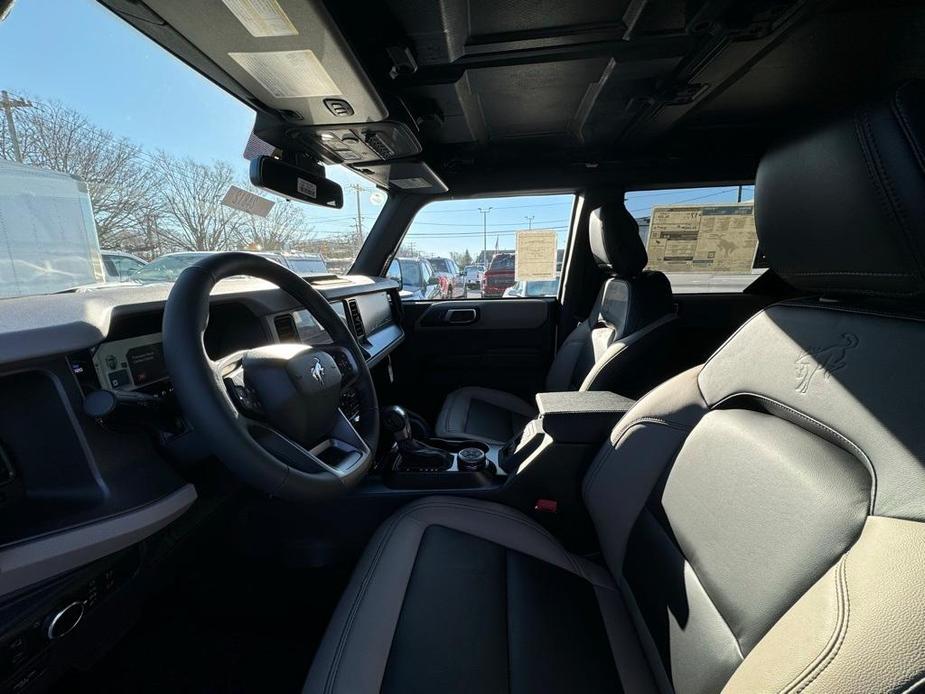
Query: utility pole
[
  {"x": 485, "y": 211},
  {"x": 8, "y": 104},
  {"x": 529, "y": 218},
  {"x": 739, "y": 196},
  {"x": 357, "y": 188}
]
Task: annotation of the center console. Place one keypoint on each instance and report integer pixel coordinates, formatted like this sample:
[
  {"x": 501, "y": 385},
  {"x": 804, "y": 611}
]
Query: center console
[
  {"x": 434, "y": 463},
  {"x": 552, "y": 448}
]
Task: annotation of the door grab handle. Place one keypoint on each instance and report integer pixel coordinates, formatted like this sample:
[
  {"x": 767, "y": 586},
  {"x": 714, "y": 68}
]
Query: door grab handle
[{"x": 460, "y": 316}]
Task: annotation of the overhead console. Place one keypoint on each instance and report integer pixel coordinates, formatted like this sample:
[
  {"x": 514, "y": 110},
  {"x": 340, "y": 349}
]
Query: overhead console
[{"x": 288, "y": 54}]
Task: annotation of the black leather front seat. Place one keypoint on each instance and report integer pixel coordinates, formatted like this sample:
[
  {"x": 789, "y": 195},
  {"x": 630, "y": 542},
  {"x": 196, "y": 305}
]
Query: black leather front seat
[
  {"x": 622, "y": 346},
  {"x": 761, "y": 517}
]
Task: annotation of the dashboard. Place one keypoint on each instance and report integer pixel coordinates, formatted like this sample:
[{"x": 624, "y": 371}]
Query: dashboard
[
  {"x": 130, "y": 364},
  {"x": 135, "y": 361},
  {"x": 77, "y": 491}
]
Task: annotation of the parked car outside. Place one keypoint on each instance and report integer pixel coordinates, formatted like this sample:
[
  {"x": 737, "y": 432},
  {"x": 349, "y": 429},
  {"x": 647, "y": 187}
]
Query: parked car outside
[
  {"x": 418, "y": 280},
  {"x": 167, "y": 268},
  {"x": 474, "y": 276},
  {"x": 452, "y": 279},
  {"x": 120, "y": 266},
  {"x": 532, "y": 288},
  {"x": 499, "y": 275}
]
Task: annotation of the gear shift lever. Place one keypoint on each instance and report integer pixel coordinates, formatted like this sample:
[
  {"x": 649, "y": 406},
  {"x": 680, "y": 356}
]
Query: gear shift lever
[
  {"x": 414, "y": 454},
  {"x": 396, "y": 420}
]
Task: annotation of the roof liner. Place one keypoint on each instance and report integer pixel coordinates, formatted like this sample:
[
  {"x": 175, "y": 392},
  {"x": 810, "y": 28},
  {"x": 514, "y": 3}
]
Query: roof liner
[{"x": 637, "y": 90}]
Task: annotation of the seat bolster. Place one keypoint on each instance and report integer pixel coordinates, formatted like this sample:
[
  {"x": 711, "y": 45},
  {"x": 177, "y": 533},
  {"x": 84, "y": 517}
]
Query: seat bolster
[
  {"x": 354, "y": 652},
  {"x": 453, "y": 420},
  {"x": 641, "y": 447}
]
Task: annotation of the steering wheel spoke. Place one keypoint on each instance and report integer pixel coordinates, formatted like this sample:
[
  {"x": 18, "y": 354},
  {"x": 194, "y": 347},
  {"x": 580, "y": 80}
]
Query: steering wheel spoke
[
  {"x": 229, "y": 370},
  {"x": 331, "y": 456},
  {"x": 346, "y": 364}
]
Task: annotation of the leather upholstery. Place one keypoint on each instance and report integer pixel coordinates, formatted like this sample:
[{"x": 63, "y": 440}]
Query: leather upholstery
[
  {"x": 615, "y": 242},
  {"x": 839, "y": 209},
  {"x": 485, "y": 414},
  {"x": 358, "y": 654},
  {"x": 762, "y": 516},
  {"x": 622, "y": 346}
]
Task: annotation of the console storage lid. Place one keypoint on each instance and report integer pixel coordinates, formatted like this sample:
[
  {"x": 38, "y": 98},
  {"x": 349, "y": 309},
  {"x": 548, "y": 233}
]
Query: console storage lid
[{"x": 580, "y": 417}]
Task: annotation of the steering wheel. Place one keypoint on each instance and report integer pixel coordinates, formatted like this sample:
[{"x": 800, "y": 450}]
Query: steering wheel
[{"x": 271, "y": 414}]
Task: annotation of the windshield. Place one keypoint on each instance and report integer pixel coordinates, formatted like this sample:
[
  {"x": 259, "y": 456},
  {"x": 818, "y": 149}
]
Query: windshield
[
  {"x": 112, "y": 144},
  {"x": 166, "y": 269}
]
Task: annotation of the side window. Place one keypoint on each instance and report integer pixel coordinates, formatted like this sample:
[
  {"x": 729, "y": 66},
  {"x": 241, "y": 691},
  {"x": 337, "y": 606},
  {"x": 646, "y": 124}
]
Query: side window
[
  {"x": 703, "y": 239},
  {"x": 472, "y": 246}
]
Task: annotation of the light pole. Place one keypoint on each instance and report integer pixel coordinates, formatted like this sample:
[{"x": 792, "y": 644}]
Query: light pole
[
  {"x": 485, "y": 211},
  {"x": 529, "y": 218}
]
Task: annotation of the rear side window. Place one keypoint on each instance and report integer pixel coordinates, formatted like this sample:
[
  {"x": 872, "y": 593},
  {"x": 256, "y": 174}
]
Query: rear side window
[{"x": 703, "y": 239}]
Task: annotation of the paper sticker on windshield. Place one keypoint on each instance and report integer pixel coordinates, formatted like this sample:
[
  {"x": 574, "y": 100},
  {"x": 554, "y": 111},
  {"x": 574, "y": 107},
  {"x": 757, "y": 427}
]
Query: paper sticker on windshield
[
  {"x": 306, "y": 188},
  {"x": 262, "y": 18},
  {"x": 288, "y": 74},
  {"x": 535, "y": 258},
  {"x": 702, "y": 238},
  {"x": 245, "y": 201}
]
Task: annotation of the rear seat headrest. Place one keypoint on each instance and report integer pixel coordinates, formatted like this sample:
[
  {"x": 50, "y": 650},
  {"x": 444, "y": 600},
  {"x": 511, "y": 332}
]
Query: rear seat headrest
[
  {"x": 840, "y": 208},
  {"x": 615, "y": 241}
]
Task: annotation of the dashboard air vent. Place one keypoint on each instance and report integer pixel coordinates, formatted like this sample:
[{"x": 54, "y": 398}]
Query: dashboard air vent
[
  {"x": 285, "y": 328},
  {"x": 355, "y": 318}
]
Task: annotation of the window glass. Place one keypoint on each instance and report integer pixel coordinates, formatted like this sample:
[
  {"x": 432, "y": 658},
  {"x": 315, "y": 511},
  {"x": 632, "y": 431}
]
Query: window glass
[
  {"x": 105, "y": 166},
  {"x": 703, "y": 239},
  {"x": 306, "y": 266},
  {"x": 472, "y": 247}
]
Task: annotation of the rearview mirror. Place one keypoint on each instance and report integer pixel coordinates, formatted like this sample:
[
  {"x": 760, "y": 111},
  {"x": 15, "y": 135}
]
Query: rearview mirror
[{"x": 295, "y": 183}]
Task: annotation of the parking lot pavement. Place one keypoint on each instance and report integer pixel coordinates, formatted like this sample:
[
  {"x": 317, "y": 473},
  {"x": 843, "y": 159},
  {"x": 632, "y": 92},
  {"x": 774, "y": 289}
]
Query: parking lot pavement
[{"x": 473, "y": 293}]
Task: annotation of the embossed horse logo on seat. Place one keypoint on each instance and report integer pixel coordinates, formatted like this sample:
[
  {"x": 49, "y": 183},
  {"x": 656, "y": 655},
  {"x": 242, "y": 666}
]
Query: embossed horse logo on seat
[{"x": 825, "y": 360}]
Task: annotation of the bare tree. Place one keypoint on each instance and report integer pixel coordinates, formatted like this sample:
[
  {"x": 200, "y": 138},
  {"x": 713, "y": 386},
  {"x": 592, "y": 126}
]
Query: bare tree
[
  {"x": 192, "y": 216},
  {"x": 120, "y": 181},
  {"x": 285, "y": 228}
]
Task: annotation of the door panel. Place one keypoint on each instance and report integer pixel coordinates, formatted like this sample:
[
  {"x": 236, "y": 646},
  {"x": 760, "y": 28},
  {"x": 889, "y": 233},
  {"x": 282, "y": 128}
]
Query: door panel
[{"x": 504, "y": 344}]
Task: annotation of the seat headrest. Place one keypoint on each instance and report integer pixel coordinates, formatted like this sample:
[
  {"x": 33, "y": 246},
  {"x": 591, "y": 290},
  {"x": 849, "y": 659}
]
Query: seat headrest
[
  {"x": 840, "y": 209},
  {"x": 615, "y": 240}
]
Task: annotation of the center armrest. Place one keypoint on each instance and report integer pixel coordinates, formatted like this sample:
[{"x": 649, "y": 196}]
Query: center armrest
[{"x": 580, "y": 417}]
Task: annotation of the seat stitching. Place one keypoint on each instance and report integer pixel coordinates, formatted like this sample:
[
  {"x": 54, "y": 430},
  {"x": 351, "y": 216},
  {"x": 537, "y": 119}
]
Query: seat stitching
[
  {"x": 894, "y": 207},
  {"x": 857, "y": 450},
  {"x": 361, "y": 593},
  {"x": 856, "y": 311},
  {"x": 900, "y": 111},
  {"x": 858, "y": 274},
  {"x": 841, "y": 629}
]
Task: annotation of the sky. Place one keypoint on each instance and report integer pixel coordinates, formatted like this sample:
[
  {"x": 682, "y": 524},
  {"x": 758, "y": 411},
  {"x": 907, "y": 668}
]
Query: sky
[{"x": 78, "y": 53}]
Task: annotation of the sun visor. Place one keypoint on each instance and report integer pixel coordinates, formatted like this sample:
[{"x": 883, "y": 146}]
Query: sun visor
[{"x": 288, "y": 53}]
